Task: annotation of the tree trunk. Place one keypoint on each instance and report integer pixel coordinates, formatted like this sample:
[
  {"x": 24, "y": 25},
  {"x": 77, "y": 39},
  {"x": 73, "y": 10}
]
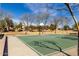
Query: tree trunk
[
  {"x": 69, "y": 8},
  {"x": 24, "y": 29},
  {"x": 39, "y": 30},
  {"x": 55, "y": 31},
  {"x": 78, "y": 43}
]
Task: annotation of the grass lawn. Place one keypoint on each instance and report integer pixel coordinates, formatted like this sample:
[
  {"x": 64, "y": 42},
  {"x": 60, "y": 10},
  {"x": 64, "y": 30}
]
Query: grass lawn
[{"x": 46, "y": 44}]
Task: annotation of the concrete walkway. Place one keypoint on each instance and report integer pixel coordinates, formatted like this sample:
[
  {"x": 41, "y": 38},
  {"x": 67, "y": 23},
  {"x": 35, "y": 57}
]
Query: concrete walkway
[
  {"x": 0, "y": 47},
  {"x": 2, "y": 42},
  {"x": 18, "y": 48}
]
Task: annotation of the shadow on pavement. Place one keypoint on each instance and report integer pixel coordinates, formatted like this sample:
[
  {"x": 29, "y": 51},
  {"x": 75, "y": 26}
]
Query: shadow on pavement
[{"x": 41, "y": 44}]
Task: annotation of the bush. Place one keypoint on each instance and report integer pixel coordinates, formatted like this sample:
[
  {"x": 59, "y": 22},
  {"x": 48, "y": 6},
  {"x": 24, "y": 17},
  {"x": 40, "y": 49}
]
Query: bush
[
  {"x": 66, "y": 27},
  {"x": 1, "y": 36}
]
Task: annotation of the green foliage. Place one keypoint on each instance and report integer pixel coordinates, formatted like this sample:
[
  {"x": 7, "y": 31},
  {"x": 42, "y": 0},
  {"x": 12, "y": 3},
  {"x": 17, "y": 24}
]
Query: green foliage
[
  {"x": 9, "y": 22},
  {"x": 18, "y": 26},
  {"x": 32, "y": 28},
  {"x": 39, "y": 28},
  {"x": 66, "y": 27},
  {"x": 52, "y": 27},
  {"x": 2, "y": 24}
]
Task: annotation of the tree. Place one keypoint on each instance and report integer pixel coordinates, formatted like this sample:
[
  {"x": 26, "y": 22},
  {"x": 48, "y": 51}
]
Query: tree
[
  {"x": 18, "y": 26},
  {"x": 56, "y": 22},
  {"x": 59, "y": 20},
  {"x": 74, "y": 26},
  {"x": 75, "y": 20},
  {"x": 2, "y": 25},
  {"x": 25, "y": 20},
  {"x": 45, "y": 17},
  {"x": 66, "y": 27},
  {"x": 9, "y": 23},
  {"x": 52, "y": 27},
  {"x": 6, "y": 16},
  {"x": 2, "y": 14},
  {"x": 1, "y": 22},
  {"x": 31, "y": 22},
  {"x": 39, "y": 19}
]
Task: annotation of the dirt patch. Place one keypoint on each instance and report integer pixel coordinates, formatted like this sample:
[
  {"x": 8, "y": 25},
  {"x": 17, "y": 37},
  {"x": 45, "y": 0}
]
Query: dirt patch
[{"x": 37, "y": 33}]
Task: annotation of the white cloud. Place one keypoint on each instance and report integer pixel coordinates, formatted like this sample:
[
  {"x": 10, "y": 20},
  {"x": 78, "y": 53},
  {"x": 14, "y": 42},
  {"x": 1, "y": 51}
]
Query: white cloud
[
  {"x": 41, "y": 8},
  {"x": 37, "y": 7},
  {"x": 16, "y": 21},
  {"x": 41, "y": 24}
]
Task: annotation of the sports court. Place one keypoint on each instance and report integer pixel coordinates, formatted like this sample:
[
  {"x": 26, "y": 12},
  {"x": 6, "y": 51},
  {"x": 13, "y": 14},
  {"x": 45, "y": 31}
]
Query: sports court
[{"x": 49, "y": 44}]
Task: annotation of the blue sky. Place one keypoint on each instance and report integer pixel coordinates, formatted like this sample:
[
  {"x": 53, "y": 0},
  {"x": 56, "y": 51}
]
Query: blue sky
[{"x": 17, "y": 9}]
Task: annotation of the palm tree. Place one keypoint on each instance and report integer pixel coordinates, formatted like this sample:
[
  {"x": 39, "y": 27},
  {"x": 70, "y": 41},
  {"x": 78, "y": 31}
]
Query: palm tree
[{"x": 75, "y": 20}]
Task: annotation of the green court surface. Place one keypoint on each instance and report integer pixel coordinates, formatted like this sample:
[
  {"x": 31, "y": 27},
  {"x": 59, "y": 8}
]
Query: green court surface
[{"x": 47, "y": 44}]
